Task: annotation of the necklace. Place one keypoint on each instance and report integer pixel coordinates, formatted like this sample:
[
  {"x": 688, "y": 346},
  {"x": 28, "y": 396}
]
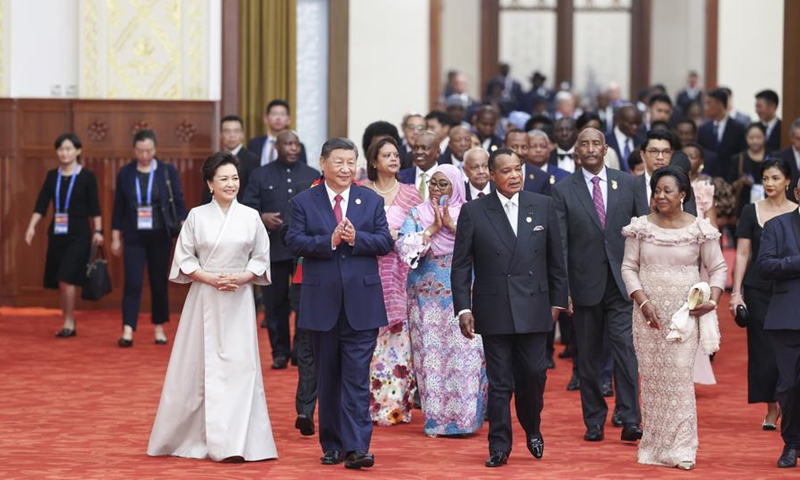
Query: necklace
[{"x": 384, "y": 192}]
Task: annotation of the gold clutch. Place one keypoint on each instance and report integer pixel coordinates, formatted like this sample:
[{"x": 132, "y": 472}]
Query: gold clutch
[{"x": 695, "y": 298}]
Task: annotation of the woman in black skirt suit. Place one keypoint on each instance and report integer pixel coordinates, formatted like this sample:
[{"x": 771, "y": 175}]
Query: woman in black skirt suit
[
  {"x": 754, "y": 292},
  {"x": 73, "y": 191}
]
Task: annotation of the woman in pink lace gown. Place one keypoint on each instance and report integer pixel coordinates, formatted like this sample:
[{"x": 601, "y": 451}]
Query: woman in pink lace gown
[
  {"x": 663, "y": 254},
  {"x": 391, "y": 375}
]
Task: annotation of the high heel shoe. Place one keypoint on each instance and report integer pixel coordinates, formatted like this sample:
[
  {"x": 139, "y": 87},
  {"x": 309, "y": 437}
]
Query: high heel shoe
[
  {"x": 66, "y": 332},
  {"x": 685, "y": 465},
  {"x": 771, "y": 426}
]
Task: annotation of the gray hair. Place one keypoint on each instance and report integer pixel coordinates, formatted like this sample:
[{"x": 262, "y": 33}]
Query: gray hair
[
  {"x": 795, "y": 125},
  {"x": 337, "y": 143},
  {"x": 475, "y": 151},
  {"x": 539, "y": 133}
]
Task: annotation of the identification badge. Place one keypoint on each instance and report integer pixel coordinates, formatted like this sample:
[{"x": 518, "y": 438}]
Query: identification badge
[
  {"x": 144, "y": 218},
  {"x": 756, "y": 192},
  {"x": 61, "y": 226}
]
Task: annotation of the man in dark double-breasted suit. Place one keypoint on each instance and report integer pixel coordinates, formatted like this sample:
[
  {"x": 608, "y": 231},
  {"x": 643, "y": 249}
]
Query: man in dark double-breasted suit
[
  {"x": 593, "y": 205},
  {"x": 510, "y": 239}
]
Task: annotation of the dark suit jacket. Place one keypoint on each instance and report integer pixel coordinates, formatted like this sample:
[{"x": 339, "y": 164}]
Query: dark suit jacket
[
  {"x": 516, "y": 278},
  {"x": 537, "y": 180},
  {"x": 553, "y": 160},
  {"x": 733, "y": 142},
  {"x": 469, "y": 193},
  {"x": 247, "y": 163},
  {"x": 643, "y": 203},
  {"x": 494, "y": 144},
  {"x": 588, "y": 248},
  {"x": 271, "y": 189},
  {"x": 684, "y": 101},
  {"x": 348, "y": 276},
  {"x": 774, "y": 140},
  {"x": 124, "y": 216},
  {"x": 408, "y": 175},
  {"x": 256, "y": 145},
  {"x": 611, "y": 141},
  {"x": 446, "y": 157},
  {"x": 788, "y": 155},
  {"x": 779, "y": 260},
  {"x": 406, "y": 159}
]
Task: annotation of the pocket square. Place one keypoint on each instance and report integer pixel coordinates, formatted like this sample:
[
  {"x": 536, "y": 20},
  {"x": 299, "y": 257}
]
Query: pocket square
[{"x": 538, "y": 228}]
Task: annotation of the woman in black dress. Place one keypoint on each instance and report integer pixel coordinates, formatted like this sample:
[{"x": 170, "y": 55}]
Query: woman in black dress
[
  {"x": 73, "y": 191},
  {"x": 748, "y": 165},
  {"x": 754, "y": 292}
]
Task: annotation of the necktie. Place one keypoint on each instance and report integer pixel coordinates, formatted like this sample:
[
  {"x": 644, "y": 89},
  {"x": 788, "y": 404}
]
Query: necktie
[
  {"x": 337, "y": 209},
  {"x": 481, "y": 194},
  {"x": 626, "y": 153},
  {"x": 511, "y": 217},
  {"x": 422, "y": 184},
  {"x": 716, "y": 136},
  {"x": 597, "y": 197},
  {"x": 562, "y": 156},
  {"x": 266, "y": 153}
]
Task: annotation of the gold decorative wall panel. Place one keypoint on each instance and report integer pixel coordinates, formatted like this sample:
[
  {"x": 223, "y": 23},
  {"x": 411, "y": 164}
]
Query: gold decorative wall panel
[{"x": 144, "y": 49}]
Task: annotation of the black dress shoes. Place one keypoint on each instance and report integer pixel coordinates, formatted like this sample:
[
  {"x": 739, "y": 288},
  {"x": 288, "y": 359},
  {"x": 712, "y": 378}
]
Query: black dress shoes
[
  {"x": 359, "y": 459},
  {"x": 497, "y": 459},
  {"x": 125, "y": 343},
  {"x": 616, "y": 420},
  {"x": 565, "y": 353},
  {"x": 279, "y": 363},
  {"x": 607, "y": 389},
  {"x": 305, "y": 425},
  {"x": 594, "y": 433},
  {"x": 574, "y": 383},
  {"x": 66, "y": 332},
  {"x": 631, "y": 432},
  {"x": 536, "y": 446},
  {"x": 332, "y": 457},
  {"x": 788, "y": 458},
  {"x": 551, "y": 364},
  {"x": 161, "y": 341}
]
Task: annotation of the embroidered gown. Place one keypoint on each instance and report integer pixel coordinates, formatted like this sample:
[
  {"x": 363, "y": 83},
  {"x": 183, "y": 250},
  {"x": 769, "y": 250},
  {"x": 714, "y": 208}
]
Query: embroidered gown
[
  {"x": 665, "y": 264},
  {"x": 213, "y": 403}
]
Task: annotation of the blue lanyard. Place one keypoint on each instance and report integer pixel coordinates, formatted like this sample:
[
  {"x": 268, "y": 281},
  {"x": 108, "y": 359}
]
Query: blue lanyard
[
  {"x": 69, "y": 189},
  {"x": 149, "y": 186}
]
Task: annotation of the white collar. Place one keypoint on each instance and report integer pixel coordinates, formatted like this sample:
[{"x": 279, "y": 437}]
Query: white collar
[
  {"x": 428, "y": 172},
  {"x": 331, "y": 194},
  {"x": 514, "y": 200},
  {"x": 571, "y": 151},
  {"x": 474, "y": 190},
  {"x": 588, "y": 176},
  {"x": 619, "y": 135},
  {"x": 772, "y": 122},
  {"x": 236, "y": 150}
]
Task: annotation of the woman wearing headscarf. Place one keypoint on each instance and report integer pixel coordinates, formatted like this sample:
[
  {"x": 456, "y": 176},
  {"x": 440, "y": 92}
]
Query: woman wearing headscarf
[{"x": 450, "y": 369}]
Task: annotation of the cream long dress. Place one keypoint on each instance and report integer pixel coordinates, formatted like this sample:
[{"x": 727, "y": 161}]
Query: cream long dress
[
  {"x": 665, "y": 263},
  {"x": 213, "y": 403}
]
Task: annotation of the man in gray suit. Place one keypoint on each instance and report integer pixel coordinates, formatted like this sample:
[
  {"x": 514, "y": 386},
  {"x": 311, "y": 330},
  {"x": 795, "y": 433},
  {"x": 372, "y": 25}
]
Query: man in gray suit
[{"x": 593, "y": 205}]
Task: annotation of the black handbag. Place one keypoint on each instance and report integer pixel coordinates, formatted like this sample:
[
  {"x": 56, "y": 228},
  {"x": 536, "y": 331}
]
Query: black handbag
[
  {"x": 742, "y": 316},
  {"x": 171, "y": 220},
  {"x": 98, "y": 281}
]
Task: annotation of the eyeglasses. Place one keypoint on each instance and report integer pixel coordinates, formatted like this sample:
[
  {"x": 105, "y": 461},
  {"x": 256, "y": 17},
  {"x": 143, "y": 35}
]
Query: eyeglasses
[
  {"x": 438, "y": 185},
  {"x": 415, "y": 128},
  {"x": 655, "y": 153}
]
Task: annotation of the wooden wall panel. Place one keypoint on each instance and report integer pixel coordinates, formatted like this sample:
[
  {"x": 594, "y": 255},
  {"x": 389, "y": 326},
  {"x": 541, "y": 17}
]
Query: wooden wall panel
[{"x": 187, "y": 133}]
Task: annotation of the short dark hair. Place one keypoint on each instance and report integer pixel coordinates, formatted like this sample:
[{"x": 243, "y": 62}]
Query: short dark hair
[
  {"x": 216, "y": 160},
  {"x": 676, "y": 172},
  {"x": 441, "y": 117},
  {"x": 779, "y": 163},
  {"x": 758, "y": 125},
  {"x": 538, "y": 118},
  {"x": 500, "y": 151},
  {"x": 660, "y": 125},
  {"x": 144, "y": 134},
  {"x": 688, "y": 121},
  {"x": 681, "y": 160},
  {"x": 372, "y": 154},
  {"x": 698, "y": 147},
  {"x": 660, "y": 98},
  {"x": 635, "y": 159},
  {"x": 68, "y": 136},
  {"x": 513, "y": 130},
  {"x": 659, "y": 135},
  {"x": 721, "y": 95},
  {"x": 380, "y": 128},
  {"x": 337, "y": 143},
  {"x": 231, "y": 118},
  {"x": 278, "y": 103},
  {"x": 585, "y": 118},
  {"x": 769, "y": 96}
]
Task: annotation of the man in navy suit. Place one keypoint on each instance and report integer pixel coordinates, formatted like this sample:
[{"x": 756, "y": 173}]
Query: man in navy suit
[
  {"x": 277, "y": 119},
  {"x": 460, "y": 141},
  {"x": 766, "y": 108},
  {"x": 340, "y": 229},
  {"x": 425, "y": 154},
  {"x": 231, "y": 138},
  {"x": 476, "y": 168},
  {"x": 721, "y": 134},
  {"x": 565, "y": 132},
  {"x": 792, "y": 154},
  {"x": 534, "y": 179},
  {"x": 779, "y": 260},
  {"x": 626, "y": 134},
  {"x": 539, "y": 154},
  {"x": 485, "y": 122}
]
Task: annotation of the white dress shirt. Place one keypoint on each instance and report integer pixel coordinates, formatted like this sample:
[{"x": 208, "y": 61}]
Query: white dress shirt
[
  {"x": 566, "y": 163},
  {"x": 796, "y": 161},
  {"x": 511, "y": 207},
  {"x": 770, "y": 125},
  {"x": 268, "y": 152},
  {"x": 622, "y": 140},
  {"x": 720, "y": 127},
  {"x": 236, "y": 150},
  {"x": 587, "y": 176},
  {"x": 647, "y": 184},
  {"x": 418, "y": 178},
  {"x": 345, "y": 198},
  {"x": 473, "y": 191}
]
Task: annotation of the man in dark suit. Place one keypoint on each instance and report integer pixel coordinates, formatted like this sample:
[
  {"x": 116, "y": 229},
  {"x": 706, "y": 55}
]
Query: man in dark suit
[
  {"x": 686, "y": 132},
  {"x": 271, "y": 189},
  {"x": 766, "y": 108},
  {"x": 413, "y": 125},
  {"x": 460, "y": 141},
  {"x": 476, "y": 168},
  {"x": 626, "y": 134},
  {"x": 721, "y": 134},
  {"x": 792, "y": 154},
  {"x": 511, "y": 90},
  {"x": 692, "y": 92},
  {"x": 340, "y": 229},
  {"x": 534, "y": 179},
  {"x": 539, "y": 156},
  {"x": 424, "y": 153},
  {"x": 593, "y": 205},
  {"x": 658, "y": 151},
  {"x": 277, "y": 119},
  {"x": 510, "y": 235},
  {"x": 565, "y": 132},
  {"x": 231, "y": 137},
  {"x": 779, "y": 260},
  {"x": 485, "y": 122}
]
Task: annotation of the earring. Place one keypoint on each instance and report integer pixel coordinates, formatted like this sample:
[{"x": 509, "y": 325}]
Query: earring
[
  {"x": 211, "y": 191},
  {"x": 681, "y": 204}
]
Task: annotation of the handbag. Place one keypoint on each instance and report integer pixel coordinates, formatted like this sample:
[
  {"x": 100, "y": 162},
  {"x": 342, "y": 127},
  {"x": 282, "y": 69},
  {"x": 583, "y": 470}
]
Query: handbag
[
  {"x": 98, "y": 281},
  {"x": 742, "y": 316},
  {"x": 171, "y": 220}
]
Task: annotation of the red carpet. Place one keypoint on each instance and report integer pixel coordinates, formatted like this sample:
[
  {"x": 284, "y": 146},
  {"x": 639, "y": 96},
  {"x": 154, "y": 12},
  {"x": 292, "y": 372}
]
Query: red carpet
[{"x": 82, "y": 408}]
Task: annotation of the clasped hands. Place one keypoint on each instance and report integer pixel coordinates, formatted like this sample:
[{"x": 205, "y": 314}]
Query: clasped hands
[
  {"x": 227, "y": 282},
  {"x": 344, "y": 231}
]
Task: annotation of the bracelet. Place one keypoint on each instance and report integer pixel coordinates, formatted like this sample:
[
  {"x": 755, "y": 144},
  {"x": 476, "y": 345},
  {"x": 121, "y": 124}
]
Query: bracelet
[
  {"x": 713, "y": 302},
  {"x": 643, "y": 304},
  {"x": 99, "y": 231},
  {"x": 736, "y": 294},
  {"x": 426, "y": 233}
]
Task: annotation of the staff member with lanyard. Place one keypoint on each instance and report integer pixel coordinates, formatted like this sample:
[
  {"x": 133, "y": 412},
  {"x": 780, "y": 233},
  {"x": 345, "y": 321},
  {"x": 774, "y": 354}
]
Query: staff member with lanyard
[
  {"x": 73, "y": 190},
  {"x": 148, "y": 212}
]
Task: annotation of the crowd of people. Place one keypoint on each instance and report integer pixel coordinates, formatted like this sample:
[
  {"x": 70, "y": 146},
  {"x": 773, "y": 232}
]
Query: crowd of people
[{"x": 434, "y": 273}]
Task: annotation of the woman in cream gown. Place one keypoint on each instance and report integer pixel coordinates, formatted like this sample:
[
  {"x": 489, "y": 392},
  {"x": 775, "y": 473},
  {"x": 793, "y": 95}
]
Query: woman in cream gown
[{"x": 213, "y": 402}]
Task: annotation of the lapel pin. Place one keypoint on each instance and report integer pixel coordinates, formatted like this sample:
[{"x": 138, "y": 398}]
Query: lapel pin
[
  {"x": 552, "y": 179},
  {"x": 528, "y": 219},
  {"x": 531, "y": 176},
  {"x": 614, "y": 185},
  {"x": 358, "y": 201}
]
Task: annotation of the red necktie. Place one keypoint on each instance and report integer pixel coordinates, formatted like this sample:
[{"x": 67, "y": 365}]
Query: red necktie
[
  {"x": 337, "y": 209},
  {"x": 597, "y": 197}
]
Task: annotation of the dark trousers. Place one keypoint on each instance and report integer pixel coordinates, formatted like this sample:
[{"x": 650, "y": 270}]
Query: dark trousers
[
  {"x": 569, "y": 338},
  {"x": 614, "y": 314},
  {"x": 151, "y": 249},
  {"x": 342, "y": 358},
  {"x": 515, "y": 363},
  {"x": 277, "y": 308},
  {"x": 305, "y": 399},
  {"x": 787, "y": 353}
]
